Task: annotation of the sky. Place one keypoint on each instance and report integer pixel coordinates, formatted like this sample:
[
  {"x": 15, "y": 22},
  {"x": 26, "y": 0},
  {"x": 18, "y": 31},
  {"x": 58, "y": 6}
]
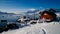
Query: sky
[{"x": 19, "y": 6}]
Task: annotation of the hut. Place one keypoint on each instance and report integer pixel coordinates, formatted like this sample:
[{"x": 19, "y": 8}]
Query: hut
[{"x": 48, "y": 16}]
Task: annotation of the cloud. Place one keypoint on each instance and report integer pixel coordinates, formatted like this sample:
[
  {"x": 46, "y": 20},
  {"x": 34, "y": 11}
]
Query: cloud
[{"x": 32, "y": 9}]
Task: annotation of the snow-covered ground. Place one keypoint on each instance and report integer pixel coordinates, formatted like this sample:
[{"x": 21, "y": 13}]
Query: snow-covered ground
[{"x": 39, "y": 28}]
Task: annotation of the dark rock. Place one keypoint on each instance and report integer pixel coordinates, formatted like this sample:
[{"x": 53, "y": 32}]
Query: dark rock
[{"x": 33, "y": 22}]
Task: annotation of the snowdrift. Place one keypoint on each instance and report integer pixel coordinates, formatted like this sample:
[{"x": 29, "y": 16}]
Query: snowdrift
[{"x": 39, "y": 28}]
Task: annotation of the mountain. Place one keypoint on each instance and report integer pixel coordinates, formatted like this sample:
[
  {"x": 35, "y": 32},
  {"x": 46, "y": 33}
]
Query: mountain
[
  {"x": 5, "y": 13},
  {"x": 53, "y": 10},
  {"x": 57, "y": 10},
  {"x": 37, "y": 11},
  {"x": 31, "y": 12}
]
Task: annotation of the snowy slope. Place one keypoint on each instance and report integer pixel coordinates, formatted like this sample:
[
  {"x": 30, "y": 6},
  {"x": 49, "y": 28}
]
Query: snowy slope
[{"x": 42, "y": 28}]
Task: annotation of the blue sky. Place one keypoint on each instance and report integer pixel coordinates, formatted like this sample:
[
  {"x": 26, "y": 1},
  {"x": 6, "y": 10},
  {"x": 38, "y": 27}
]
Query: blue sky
[{"x": 23, "y": 5}]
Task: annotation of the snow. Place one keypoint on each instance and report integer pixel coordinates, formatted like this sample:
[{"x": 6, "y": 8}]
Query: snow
[
  {"x": 53, "y": 29},
  {"x": 39, "y": 28}
]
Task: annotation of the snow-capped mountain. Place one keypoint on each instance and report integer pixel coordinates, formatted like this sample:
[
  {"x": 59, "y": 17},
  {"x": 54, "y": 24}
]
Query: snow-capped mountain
[
  {"x": 10, "y": 17},
  {"x": 57, "y": 10},
  {"x": 54, "y": 10},
  {"x": 38, "y": 28},
  {"x": 5, "y": 13},
  {"x": 30, "y": 12}
]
